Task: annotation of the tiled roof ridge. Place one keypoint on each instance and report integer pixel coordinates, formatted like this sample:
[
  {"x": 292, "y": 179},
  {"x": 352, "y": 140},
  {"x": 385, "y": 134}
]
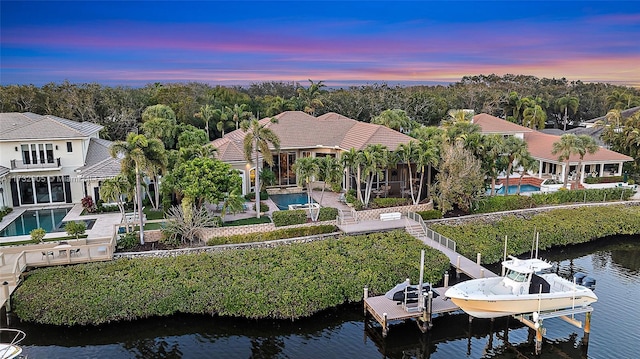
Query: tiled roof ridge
[{"x": 62, "y": 121}]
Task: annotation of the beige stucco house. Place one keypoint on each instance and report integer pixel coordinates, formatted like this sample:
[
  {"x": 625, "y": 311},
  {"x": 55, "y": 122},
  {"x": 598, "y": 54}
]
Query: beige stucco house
[
  {"x": 48, "y": 160},
  {"x": 303, "y": 135}
]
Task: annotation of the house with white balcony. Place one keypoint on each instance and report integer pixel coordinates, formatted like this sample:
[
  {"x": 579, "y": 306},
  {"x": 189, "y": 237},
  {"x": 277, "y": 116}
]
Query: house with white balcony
[{"x": 49, "y": 160}]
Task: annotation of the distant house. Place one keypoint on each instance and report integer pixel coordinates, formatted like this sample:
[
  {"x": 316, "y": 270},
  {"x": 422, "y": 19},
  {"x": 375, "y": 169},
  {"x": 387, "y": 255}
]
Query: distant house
[
  {"x": 303, "y": 135},
  {"x": 48, "y": 159},
  {"x": 602, "y": 163}
]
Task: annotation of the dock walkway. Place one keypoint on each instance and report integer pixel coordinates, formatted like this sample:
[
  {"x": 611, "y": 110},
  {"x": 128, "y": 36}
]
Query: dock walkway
[{"x": 385, "y": 310}]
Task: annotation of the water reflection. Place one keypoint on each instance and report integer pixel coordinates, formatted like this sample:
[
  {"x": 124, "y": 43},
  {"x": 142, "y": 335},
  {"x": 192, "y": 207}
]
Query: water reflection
[{"x": 341, "y": 332}]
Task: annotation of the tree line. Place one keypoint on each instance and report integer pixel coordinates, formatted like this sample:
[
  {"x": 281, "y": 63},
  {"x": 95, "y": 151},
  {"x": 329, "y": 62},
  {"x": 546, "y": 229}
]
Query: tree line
[{"x": 528, "y": 100}]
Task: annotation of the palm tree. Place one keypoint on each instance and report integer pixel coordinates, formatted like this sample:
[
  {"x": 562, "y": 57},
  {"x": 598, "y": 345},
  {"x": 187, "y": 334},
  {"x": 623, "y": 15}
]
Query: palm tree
[
  {"x": 514, "y": 149},
  {"x": 351, "y": 162},
  {"x": 564, "y": 148},
  {"x": 330, "y": 171},
  {"x": 428, "y": 156},
  {"x": 492, "y": 150},
  {"x": 534, "y": 117},
  {"x": 309, "y": 97},
  {"x": 256, "y": 140},
  {"x": 207, "y": 112},
  {"x": 238, "y": 113},
  {"x": 621, "y": 100},
  {"x": 374, "y": 158},
  {"x": 567, "y": 104},
  {"x": 586, "y": 144},
  {"x": 114, "y": 189},
  {"x": 527, "y": 163},
  {"x": 394, "y": 119},
  {"x": 136, "y": 152},
  {"x": 306, "y": 168},
  {"x": 408, "y": 153}
]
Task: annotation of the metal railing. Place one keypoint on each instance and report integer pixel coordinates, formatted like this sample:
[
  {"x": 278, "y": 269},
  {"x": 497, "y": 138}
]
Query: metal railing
[
  {"x": 20, "y": 165},
  {"x": 433, "y": 235}
]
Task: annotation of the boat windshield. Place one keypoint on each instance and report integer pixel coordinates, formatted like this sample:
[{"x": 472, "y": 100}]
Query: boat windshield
[{"x": 516, "y": 276}]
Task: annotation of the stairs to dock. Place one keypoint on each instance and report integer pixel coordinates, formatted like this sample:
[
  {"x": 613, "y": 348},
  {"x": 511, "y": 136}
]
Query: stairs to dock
[{"x": 346, "y": 217}]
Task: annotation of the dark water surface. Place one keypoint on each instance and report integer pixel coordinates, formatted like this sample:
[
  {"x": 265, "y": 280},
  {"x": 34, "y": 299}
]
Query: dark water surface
[{"x": 340, "y": 333}]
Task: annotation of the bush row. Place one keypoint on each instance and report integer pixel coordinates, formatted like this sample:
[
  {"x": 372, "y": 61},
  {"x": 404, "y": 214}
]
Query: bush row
[
  {"x": 514, "y": 202},
  {"x": 299, "y": 216},
  {"x": 558, "y": 227},
  {"x": 273, "y": 235},
  {"x": 430, "y": 214},
  {"x": 287, "y": 282}
]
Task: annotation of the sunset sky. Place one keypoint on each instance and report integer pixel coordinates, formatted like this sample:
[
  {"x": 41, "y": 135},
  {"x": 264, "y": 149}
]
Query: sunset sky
[{"x": 340, "y": 43}]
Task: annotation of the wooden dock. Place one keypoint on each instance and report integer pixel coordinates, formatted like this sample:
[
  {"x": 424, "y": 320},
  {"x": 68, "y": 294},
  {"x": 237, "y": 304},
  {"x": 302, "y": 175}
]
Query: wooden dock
[{"x": 385, "y": 310}]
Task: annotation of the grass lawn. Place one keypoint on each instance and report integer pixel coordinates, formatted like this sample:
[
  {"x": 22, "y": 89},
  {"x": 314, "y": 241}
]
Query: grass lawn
[
  {"x": 152, "y": 214},
  {"x": 246, "y": 221}
]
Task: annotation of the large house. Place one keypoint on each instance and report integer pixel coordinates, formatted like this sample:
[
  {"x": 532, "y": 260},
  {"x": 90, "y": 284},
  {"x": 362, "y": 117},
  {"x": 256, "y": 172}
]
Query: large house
[
  {"x": 303, "y": 135},
  {"x": 603, "y": 163},
  {"x": 48, "y": 159}
]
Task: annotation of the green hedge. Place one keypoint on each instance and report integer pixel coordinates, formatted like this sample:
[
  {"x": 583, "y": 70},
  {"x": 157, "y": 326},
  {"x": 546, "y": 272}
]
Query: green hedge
[
  {"x": 290, "y": 217},
  {"x": 583, "y": 195},
  {"x": 389, "y": 202},
  {"x": 558, "y": 227},
  {"x": 287, "y": 282},
  {"x": 328, "y": 214},
  {"x": 612, "y": 179},
  {"x": 502, "y": 203},
  {"x": 430, "y": 214},
  {"x": 273, "y": 235},
  {"x": 514, "y": 202}
]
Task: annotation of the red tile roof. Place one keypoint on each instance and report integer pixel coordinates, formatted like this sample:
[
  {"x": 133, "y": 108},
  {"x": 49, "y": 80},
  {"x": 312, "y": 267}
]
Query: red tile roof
[{"x": 540, "y": 144}]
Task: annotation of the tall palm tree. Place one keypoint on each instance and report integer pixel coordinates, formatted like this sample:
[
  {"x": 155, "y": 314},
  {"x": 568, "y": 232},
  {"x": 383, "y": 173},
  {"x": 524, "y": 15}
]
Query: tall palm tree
[
  {"x": 586, "y": 144},
  {"x": 310, "y": 96},
  {"x": 515, "y": 149},
  {"x": 408, "y": 153},
  {"x": 306, "y": 169},
  {"x": 526, "y": 163},
  {"x": 374, "y": 159},
  {"x": 534, "y": 117},
  {"x": 206, "y": 113},
  {"x": 428, "y": 156},
  {"x": 564, "y": 148},
  {"x": 351, "y": 162},
  {"x": 567, "y": 104},
  {"x": 135, "y": 153},
  {"x": 257, "y": 138},
  {"x": 238, "y": 113},
  {"x": 114, "y": 189},
  {"x": 330, "y": 172},
  {"x": 394, "y": 119},
  {"x": 492, "y": 150}
]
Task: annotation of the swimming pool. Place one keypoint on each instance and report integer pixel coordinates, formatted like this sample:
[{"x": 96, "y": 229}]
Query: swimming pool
[
  {"x": 513, "y": 189},
  {"x": 284, "y": 200},
  {"x": 47, "y": 219}
]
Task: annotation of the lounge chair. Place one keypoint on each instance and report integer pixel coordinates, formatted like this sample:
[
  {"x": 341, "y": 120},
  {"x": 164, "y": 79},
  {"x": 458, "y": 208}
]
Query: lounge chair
[
  {"x": 75, "y": 252},
  {"x": 47, "y": 253},
  {"x": 342, "y": 198}
]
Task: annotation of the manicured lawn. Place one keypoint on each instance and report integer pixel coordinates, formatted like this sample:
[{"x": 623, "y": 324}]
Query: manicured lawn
[{"x": 151, "y": 214}]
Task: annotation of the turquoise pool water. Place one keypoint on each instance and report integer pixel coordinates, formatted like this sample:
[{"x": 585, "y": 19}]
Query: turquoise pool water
[
  {"x": 284, "y": 200},
  {"x": 47, "y": 219},
  {"x": 513, "y": 189}
]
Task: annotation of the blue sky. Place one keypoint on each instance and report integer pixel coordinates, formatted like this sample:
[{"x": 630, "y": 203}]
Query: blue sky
[{"x": 341, "y": 43}]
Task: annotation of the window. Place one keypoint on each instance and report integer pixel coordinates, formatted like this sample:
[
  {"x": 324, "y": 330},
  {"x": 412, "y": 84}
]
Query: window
[{"x": 69, "y": 147}]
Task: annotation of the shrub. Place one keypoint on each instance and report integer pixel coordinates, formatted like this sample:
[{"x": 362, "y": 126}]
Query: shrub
[
  {"x": 263, "y": 207},
  {"x": 594, "y": 180},
  {"x": 502, "y": 203},
  {"x": 328, "y": 214},
  {"x": 583, "y": 195},
  {"x": 430, "y": 214},
  {"x": 389, "y": 202},
  {"x": 37, "y": 235},
  {"x": 127, "y": 241},
  {"x": 290, "y": 217},
  {"x": 251, "y": 196},
  {"x": 75, "y": 229},
  {"x": 87, "y": 204},
  {"x": 282, "y": 233},
  {"x": 294, "y": 281}
]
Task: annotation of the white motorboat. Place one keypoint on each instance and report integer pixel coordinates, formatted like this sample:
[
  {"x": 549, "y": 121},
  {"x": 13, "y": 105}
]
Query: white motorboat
[
  {"x": 11, "y": 349},
  {"x": 523, "y": 289}
]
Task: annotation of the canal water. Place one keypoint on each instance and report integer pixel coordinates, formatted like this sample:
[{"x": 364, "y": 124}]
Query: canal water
[{"x": 341, "y": 333}]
